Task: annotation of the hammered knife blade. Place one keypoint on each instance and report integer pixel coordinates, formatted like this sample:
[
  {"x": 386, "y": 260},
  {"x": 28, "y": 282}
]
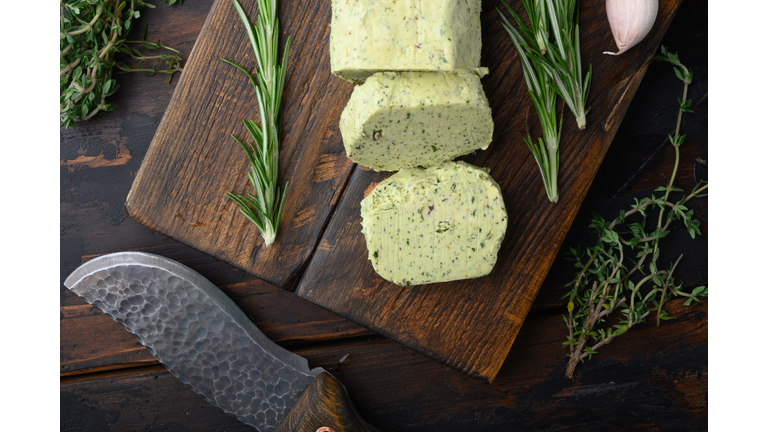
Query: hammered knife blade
[{"x": 209, "y": 344}]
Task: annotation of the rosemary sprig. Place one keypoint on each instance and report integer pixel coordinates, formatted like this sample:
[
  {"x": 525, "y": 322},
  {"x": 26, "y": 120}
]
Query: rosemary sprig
[
  {"x": 538, "y": 78},
  {"x": 91, "y": 33},
  {"x": 265, "y": 207},
  {"x": 609, "y": 279},
  {"x": 563, "y": 58}
]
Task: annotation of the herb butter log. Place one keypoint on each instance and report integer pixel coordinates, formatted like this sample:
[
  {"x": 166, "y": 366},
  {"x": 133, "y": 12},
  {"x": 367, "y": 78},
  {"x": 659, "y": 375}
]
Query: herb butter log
[
  {"x": 369, "y": 36},
  {"x": 400, "y": 120},
  {"x": 438, "y": 224}
]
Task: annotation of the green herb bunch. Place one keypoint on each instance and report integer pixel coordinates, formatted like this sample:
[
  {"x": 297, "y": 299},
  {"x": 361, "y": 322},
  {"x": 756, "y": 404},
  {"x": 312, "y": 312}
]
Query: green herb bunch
[
  {"x": 551, "y": 63},
  {"x": 265, "y": 206},
  {"x": 621, "y": 271},
  {"x": 92, "y": 32}
]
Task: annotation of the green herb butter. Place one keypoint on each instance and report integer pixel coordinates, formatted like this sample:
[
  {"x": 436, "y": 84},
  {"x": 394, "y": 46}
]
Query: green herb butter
[
  {"x": 400, "y": 120},
  {"x": 438, "y": 224},
  {"x": 368, "y": 36}
]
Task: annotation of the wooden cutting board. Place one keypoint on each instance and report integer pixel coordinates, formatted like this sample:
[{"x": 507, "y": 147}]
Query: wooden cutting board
[
  {"x": 192, "y": 161},
  {"x": 467, "y": 325}
]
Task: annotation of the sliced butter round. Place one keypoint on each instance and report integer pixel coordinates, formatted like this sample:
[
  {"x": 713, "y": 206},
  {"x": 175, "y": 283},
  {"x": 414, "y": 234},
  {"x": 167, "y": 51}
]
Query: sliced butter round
[{"x": 438, "y": 224}]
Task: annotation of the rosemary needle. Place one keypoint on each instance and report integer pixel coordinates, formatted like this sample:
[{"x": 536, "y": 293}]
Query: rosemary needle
[{"x": 265, "y": 206}]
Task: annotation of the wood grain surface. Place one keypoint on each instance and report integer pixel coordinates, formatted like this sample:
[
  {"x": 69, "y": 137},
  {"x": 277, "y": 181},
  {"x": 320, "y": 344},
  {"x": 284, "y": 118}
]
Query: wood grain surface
[
  {"x": 651, "y": 379},
  {"x": 655, "y": 381},
  {"x": 193, "y": 162},
  {"x": 470, "y": 325}
]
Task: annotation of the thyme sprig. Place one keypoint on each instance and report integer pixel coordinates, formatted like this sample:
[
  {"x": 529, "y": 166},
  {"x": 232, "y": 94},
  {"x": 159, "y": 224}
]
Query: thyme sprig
[
  {"x": 265, "y": 207},
  {"x": 612, "y": 275},
  {"x": 92, "y": 32},
  {"x": 169, "y": 63}
]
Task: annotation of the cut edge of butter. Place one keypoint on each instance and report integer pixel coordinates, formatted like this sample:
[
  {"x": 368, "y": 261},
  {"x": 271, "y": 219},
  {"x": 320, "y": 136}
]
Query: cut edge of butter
[{"x": 436, "y": 224}]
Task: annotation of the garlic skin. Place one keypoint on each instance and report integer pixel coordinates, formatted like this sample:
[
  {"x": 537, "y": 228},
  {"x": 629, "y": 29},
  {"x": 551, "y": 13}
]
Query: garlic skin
[{"x": 630, "y": 21}]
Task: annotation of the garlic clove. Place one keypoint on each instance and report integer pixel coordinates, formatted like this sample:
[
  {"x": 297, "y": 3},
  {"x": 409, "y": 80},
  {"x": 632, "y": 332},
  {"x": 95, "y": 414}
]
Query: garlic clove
[{"x": 630, "y": 21}]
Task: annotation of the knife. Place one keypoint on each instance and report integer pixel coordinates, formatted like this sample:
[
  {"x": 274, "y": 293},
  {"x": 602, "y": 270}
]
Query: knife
[{"x": 208, "y": 343}]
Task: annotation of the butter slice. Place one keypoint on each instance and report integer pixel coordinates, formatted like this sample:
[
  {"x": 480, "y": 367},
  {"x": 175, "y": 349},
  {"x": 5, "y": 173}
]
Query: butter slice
[
  {"x": 368, "y": 36},
  {"x": 400, "y": 120},
  {"x": 437, "y": 224}
]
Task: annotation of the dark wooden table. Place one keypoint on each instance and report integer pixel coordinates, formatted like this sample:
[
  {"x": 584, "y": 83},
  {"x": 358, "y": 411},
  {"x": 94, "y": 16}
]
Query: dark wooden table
[{"x": 653, "y": 378}]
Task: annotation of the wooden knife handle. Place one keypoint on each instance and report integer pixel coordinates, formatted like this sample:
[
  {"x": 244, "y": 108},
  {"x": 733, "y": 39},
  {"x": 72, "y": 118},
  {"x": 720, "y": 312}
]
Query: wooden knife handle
[{"x": 324, "y": 404}]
